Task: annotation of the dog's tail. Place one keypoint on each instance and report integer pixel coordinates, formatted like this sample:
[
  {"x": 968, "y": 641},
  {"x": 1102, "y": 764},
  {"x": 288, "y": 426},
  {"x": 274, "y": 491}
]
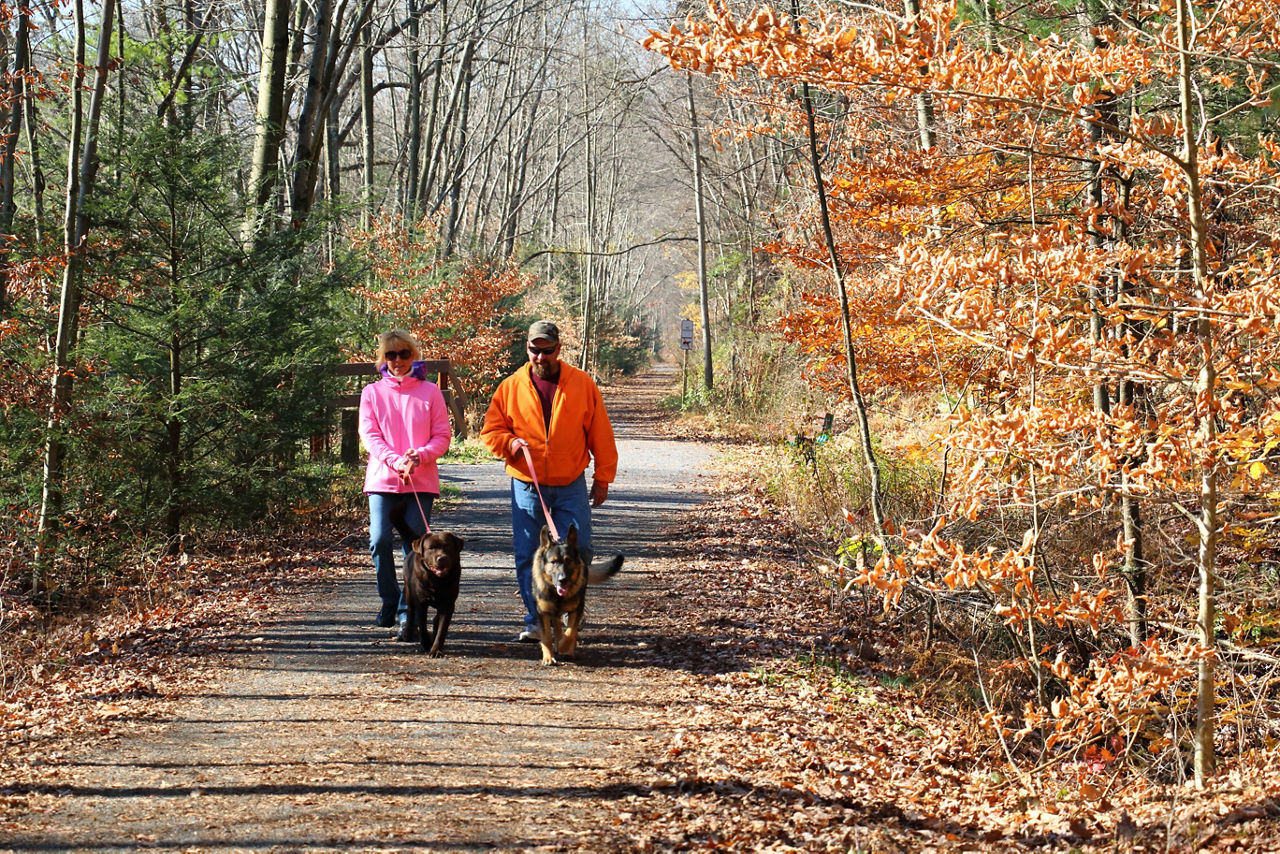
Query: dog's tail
[{"x": 599, "y": 572}]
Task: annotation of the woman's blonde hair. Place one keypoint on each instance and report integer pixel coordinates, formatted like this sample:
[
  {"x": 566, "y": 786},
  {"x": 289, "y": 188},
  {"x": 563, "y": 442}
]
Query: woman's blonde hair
[{"x": 396, "y": 339}]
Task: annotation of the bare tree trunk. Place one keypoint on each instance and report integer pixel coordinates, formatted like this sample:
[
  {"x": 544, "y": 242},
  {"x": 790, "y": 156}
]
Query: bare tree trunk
[
  {"x": 746, "y": 187},
  {"x": 297, "y": 44},
  {"x": 310, "y": 129},
  {"x": 173, "y": 451},
  {"x": 1134, "y": 569},
  {"x": 924, "y": 101},
  {"x": 515, "y": 197},
  {"x": 1206, "y": 390},
  {"x": 433, "y": 114},
  {"x": 436, "y": 168},
  {"x": 317, "y": 122},
  {"x": 333, "y": 152},
  {"x": 704, "y": 300},
  {"x": 458, "y": 161},
  {"x": 837, "y": 270},
  {"x": 269, "y": 118},
  {"x": 33, "y": 157},
  {"x": 414, "y": 118},
  {"x": 366, "y": 120},
  {"x": 1094, "y": 20},
  {"x": 589, "y": 224},
  {"x": 79, "y": 189},
  {"x": 18, "y": 95}
]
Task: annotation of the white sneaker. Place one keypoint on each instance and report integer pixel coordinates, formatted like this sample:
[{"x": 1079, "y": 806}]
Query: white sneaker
[{"x": 530, "y": 635}]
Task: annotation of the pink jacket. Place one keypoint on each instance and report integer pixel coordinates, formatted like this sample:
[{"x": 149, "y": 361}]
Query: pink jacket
[{"x": 396, "y": 414}]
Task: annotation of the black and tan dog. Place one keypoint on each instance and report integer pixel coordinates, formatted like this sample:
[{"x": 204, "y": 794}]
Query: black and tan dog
[
  {"x": 431, "y": 576},
  {"x": 560, "y": 587}
]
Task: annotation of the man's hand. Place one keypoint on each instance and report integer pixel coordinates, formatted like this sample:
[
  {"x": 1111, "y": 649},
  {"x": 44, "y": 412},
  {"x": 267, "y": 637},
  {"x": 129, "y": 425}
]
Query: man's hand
[{"x": 599, "y": 492}]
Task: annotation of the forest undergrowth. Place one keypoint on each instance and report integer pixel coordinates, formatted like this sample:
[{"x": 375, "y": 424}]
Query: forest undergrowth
[{"x": 855, "y": 728}]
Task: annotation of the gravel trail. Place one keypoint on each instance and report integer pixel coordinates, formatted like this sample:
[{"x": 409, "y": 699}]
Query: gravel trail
[{"x": 324, "y": 734}]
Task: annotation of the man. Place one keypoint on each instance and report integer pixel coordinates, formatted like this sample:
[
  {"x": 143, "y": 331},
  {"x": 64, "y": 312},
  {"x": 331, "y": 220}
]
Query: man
[{"x": 555, "y": 411}]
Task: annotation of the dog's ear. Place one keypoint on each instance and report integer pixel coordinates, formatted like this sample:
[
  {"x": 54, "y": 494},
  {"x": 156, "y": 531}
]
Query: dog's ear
[
  {"x": 419, "y": 546},
  {"x": 571, "y": 539},
  {"x": 544, "y": 538},
  {"x": 455, "y": 543}
]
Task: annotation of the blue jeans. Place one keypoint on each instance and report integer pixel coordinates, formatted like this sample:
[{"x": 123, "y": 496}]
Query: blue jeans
[
  {"x": 391, "y": 513},
  {"x": 569, "y": 505}
]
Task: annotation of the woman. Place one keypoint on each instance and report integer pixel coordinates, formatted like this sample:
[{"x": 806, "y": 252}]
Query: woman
[{"x": 405, "y": 428}]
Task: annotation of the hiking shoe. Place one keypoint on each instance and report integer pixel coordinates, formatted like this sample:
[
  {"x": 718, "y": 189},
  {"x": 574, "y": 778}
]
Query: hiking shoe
[
  {"x": 383, "y": 621},
  {"x": 529, "y": 635}
]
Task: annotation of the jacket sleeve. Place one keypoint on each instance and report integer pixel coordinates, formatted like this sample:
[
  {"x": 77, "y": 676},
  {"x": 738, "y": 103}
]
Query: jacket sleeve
[
  {"x": 371, "y": 431},
  {"x": 498, "y": 429},
  {"x": 441, "y": 434},
  {"x": 604, "y": 450}
]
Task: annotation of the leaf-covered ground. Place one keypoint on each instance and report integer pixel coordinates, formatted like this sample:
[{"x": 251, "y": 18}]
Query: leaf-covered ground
[
  {"x": 811, "y": 730},
  {"x": 93, "y": 677},
  {"x": 781, "y": 715}
]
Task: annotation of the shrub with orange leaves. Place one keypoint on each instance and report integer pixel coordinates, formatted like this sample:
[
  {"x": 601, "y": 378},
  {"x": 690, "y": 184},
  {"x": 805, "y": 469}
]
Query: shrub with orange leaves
[
  {"x": 1105, "y": 282},
  {"x": 892, "y": 355},
  {"x": 456, "y": 308}
]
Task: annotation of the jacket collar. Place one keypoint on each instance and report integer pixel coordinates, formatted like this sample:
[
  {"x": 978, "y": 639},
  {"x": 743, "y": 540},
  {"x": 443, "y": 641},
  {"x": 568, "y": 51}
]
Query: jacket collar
[{"x": 417, "y": 372}]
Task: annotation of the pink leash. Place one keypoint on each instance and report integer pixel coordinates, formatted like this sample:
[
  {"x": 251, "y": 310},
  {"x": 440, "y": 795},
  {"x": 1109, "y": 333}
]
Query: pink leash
[
  {"x": 422, "y": 513},
  {"x": 409, "y": 480},
  {"x": 528, "y": 458}
]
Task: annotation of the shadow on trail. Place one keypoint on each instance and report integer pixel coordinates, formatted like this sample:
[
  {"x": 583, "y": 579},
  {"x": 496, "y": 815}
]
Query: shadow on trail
[
  {"x": 263, "y": 844},
  {"x": 327, "y": 763},
  {"x": 856, "y": 814}
]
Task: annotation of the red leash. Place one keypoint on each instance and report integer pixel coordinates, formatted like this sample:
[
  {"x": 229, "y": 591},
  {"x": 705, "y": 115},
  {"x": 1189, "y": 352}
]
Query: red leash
[{"x": 528, "y": 458}]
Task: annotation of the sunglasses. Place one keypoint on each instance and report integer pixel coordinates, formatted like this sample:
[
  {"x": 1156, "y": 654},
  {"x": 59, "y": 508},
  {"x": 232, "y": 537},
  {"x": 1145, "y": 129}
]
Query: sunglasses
[
  {"x": 543, "y": 351},
  {"x": 398, "y": 354}
]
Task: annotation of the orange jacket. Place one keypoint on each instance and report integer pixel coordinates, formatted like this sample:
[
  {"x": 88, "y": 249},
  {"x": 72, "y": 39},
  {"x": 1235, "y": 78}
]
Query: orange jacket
[{"x": 580, "y": 428}]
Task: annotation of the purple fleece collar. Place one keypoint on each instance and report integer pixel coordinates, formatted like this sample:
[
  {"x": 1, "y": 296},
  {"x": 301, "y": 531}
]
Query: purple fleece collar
[{"x": 418, "y": 371}]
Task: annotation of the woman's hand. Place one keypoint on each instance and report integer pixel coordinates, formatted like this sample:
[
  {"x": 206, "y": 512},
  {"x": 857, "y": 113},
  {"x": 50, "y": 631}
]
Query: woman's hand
[{"x": 407, "y": 464}]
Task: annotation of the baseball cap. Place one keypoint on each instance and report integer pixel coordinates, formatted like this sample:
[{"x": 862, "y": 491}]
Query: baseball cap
[{"x": 544, "y": 329}]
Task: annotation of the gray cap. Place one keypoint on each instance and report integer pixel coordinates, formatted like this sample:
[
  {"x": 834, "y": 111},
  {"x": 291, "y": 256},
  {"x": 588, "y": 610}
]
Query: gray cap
[{"x": 544, "y": 329}]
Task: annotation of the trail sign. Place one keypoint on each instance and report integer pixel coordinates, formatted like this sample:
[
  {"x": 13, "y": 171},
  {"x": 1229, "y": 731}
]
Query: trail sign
[{"x": 686, "y": 334}]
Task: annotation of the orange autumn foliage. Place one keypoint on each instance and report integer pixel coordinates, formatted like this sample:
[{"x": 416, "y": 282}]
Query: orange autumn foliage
[
  {"x": 1045, "y": 242},
  {"x": 455, "y": 309},
  {"x": 892, "y": 355}
]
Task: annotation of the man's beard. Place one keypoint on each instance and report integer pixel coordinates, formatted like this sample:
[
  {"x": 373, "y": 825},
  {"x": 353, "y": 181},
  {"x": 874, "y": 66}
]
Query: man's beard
[{"x": 547, "y": 371}]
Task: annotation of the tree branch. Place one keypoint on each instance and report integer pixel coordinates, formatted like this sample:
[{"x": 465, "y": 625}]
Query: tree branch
[{"x": 555, "y": 250}]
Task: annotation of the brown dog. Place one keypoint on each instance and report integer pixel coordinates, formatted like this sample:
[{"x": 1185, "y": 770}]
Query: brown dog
[{"x": 431, "y": 576}]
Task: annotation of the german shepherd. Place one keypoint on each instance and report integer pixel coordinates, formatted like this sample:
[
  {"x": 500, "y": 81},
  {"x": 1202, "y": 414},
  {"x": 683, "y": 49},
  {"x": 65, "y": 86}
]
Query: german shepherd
[
  {"x": 431, "y": 576},
  {"x": 560, "y": 587}
]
